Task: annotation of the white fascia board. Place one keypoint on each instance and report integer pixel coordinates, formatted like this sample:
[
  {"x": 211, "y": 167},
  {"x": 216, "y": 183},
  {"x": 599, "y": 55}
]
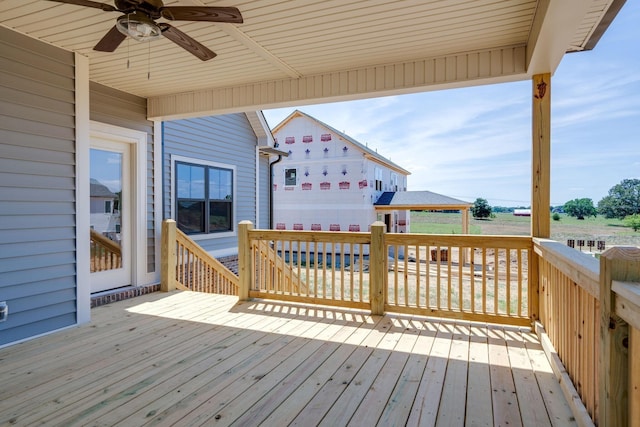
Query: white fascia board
[
  {"x": 473, "y": 68},
  {"x": 553, "y": 28}
]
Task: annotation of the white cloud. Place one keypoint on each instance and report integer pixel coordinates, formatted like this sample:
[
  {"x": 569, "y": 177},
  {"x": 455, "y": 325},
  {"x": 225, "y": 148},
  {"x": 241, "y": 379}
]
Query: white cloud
[{"x": 476, "y": 142}]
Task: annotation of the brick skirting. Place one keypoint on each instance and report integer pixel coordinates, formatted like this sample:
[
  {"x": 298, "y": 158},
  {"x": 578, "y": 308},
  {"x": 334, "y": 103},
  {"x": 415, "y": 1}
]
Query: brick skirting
[
  {"x": 231, "y": 262},
  {"x": 126, "y": 293}
]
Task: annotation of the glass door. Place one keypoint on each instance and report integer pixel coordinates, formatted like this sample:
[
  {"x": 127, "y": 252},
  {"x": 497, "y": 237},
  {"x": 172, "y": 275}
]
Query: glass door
[{"x": 110, "y": 220}]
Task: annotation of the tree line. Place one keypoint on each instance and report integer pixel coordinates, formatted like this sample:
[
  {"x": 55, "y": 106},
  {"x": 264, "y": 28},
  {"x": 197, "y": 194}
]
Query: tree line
[{"x": 622, "y": 202}]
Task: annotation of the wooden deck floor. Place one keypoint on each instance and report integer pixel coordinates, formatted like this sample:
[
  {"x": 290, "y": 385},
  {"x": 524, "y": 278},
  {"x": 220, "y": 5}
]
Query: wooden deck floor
[{"x": 185, "y": 358}]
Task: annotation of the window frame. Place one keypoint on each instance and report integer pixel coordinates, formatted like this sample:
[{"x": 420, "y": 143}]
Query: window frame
[
  {"x": 207, "y": 234},
  {"x": 285, "y": 177}
]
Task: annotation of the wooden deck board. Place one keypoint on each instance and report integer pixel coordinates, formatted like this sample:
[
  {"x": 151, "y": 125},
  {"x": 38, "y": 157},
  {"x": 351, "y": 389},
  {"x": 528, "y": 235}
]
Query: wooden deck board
[{"x": 184, "y": 358}]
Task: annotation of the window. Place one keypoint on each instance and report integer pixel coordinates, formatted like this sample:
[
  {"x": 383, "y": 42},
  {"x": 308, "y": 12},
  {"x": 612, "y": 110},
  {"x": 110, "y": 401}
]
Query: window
[
  {"x": 290, "y": 176},
  {"x": 378, "y": 176},
  {"x": 107, "y": 206},
  {"x": 204, "y": 198}
]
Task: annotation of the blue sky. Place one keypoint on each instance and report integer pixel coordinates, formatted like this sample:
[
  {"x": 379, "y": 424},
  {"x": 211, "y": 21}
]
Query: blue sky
[{"x": 476, "y": 142}]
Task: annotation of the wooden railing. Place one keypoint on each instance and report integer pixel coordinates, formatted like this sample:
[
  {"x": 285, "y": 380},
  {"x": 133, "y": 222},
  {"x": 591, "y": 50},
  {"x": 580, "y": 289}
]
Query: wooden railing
[
  {"x": 274, "y": 272},
  {"x": 481, "y": 278},
  {"x": 569, "y": 285},
  {"x": 185, "y": 265},
  {"x": 308, "y": 266},
  {"x": 584, "y": 326},
  {"x": 588, "y": 311},
  {"x": 105, "y": 253},
  {"x": 468, "y": 277}
]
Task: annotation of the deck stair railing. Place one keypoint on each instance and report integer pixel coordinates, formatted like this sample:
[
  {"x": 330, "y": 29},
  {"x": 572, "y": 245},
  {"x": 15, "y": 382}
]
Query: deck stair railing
[
  {"x": 105, "y": 253},
  {"x": 273, "y": 268},
  {"x": 185, "y": 265}
]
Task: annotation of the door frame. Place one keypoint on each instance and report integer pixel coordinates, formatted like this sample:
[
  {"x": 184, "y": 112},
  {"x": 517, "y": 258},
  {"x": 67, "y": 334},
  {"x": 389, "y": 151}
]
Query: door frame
[
  {"x": 138, "y": 143},
  {"x": 122, "y": 276}
]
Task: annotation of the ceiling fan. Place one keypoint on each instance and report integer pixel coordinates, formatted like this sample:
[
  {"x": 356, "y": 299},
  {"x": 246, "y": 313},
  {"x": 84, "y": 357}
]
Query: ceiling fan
[{"x": 138, "y": 22}]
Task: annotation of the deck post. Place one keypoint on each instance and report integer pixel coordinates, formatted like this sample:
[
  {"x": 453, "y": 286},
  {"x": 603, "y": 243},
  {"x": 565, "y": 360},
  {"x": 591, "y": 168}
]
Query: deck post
[
  {"x": 620, "y": 264},
  {"x": 168, "y": 256},
  {"x": 377, "y": 268},
  {"x": 541, "y": 157},
  {"x": 245, "y": 268}
]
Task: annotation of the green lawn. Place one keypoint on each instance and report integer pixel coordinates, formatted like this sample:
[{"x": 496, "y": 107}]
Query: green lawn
[{"x": 613, "y": 231}]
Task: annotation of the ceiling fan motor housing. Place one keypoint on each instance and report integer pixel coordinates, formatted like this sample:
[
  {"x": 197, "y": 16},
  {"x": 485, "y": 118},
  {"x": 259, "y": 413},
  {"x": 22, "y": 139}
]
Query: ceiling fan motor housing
[{"x": 150, "y": 8}]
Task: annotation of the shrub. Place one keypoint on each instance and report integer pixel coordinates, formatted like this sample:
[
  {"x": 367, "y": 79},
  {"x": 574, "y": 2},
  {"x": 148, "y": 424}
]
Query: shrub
[
  {"x": 633, "y": 221},
  {"x": 556, "y": 216}
]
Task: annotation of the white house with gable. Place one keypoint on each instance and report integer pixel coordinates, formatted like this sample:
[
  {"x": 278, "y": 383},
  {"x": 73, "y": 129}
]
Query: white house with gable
[{"x": 329, "y": 181}]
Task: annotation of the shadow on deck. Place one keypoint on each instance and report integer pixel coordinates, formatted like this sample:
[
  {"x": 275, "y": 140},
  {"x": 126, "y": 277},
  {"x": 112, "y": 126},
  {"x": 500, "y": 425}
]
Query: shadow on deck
[{"x": 187, "y": 358}]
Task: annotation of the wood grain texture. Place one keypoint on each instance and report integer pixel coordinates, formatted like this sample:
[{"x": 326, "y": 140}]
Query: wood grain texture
[{"x": 187, "y": 358}]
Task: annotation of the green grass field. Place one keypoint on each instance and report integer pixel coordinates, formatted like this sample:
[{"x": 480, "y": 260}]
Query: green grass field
[{"x": 612, "y": 231}]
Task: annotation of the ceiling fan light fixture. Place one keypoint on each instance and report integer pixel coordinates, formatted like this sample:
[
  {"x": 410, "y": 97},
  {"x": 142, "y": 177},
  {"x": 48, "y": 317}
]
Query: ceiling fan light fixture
[{"x": 139, "y": 27}]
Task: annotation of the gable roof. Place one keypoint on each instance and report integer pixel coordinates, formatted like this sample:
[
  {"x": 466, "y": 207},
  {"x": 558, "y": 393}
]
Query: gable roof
[
  {"x": 98, "y": 189},
  {"x": 369, "y": 153},
  {"x": 419, "y": 200}
]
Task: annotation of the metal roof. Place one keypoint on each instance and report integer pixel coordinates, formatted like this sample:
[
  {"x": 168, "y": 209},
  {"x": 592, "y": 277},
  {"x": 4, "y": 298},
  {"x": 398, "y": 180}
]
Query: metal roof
[{"x": 419, "y": 200}]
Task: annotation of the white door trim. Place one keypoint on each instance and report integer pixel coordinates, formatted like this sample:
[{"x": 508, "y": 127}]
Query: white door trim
[{"x": 138, "y": 140}]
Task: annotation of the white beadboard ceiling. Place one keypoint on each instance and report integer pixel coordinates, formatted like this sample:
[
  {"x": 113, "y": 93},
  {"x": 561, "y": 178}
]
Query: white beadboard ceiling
[{"x": 291, "y": 52}]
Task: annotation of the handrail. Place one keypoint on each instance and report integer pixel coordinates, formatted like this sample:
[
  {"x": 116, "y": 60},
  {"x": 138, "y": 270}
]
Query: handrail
[
  {"x": 569, "y": 283},
  {"x": 198, "y": 271},
  {"x": 479, "y": 278},
  {"x": 185, "y": 265},
  {"x": 306, "y": 266},
  {"x": 627, "y": 301},
  {"x": 348, "y": 269},
  {"x": 106, "y": 242},
  {"x": 582, "y": 269},
  {"x": 105, "y": 253},
  {"x": 264, "y": 253}
]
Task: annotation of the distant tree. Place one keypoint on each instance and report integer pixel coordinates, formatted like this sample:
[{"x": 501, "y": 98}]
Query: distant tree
[
  {"x": 481, "y": 208},
  {"x": 501, "y": 209},
  {"x": 633, "y": 221},
  {"x": 623, "y": 200},
  {"x": 580, "y": 208}
]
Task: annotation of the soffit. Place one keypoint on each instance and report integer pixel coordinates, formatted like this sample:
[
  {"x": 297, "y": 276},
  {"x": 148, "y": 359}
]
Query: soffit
[{"x": 308, "y": 42}]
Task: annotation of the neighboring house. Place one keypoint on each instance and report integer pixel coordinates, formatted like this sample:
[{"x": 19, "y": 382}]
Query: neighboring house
[
  {"x": 330, "y": 181},
  {"x": 105, "y": 212},
  {"x": 216, "y": 174},
  {"x": 58, "y": 121}
]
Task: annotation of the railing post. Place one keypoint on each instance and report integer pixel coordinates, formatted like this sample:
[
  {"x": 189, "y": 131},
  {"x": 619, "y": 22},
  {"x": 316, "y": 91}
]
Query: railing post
[
  {"x": 377, "y": 268},
  {"x": 623, "y": 264},
  {"x": 245, "y": 267},
  {"x": 168, "y": 260},
  {"x": 533, "y": 285}
]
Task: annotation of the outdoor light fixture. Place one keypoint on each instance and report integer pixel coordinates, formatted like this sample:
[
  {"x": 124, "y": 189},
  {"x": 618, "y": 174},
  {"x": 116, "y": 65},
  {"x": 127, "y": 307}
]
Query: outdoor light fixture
[{"x": 138, "y": 26}]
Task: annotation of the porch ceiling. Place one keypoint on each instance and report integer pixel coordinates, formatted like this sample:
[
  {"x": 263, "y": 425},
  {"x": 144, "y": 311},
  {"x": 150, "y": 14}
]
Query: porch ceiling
[{"x": 291, "y": 52}]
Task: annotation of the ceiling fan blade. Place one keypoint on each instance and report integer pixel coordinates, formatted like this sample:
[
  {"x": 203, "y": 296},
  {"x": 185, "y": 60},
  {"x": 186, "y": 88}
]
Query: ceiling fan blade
[
  {"x": 186, "y": 42},
  {"x": 110, "y": 41},
  {"x": 88, "y": 3},
  {"x": 202, "y": 13}
]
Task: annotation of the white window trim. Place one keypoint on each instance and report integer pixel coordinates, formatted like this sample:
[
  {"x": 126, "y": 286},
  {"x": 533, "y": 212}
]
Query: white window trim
[{"x": 201, "y": 162}]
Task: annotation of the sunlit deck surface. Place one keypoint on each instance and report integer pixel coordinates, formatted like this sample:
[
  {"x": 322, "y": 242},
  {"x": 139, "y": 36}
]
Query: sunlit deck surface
[{"x": 186, "y": 358}]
